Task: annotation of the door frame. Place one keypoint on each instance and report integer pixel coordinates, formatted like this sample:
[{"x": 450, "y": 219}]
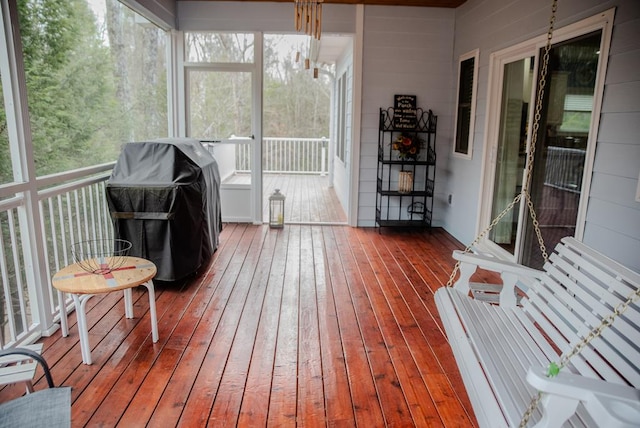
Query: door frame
[
  {"x": 255, "y": 68},
  {"x": 531, "y": 48}
]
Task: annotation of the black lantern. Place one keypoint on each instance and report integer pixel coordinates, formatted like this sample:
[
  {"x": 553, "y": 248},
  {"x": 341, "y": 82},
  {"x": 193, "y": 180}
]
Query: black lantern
[{"x": 276, "y": 209}]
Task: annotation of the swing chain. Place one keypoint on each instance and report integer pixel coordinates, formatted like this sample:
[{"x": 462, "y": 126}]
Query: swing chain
[
  {"x": 542, "y": 82},
  {"x": 532, "y": 406},
  {"x": 482, "y": 234},
  {"x": 597, "y": 331}
]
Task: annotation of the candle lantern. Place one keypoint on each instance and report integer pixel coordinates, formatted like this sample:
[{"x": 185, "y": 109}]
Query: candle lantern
[{"x": 276, "y": 209}]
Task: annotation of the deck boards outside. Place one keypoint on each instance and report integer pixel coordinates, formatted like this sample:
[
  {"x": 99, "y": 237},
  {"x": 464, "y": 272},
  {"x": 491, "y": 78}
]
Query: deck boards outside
[
  {"x": 309, "y": 197},
  {"x": 309, "y": 325}
]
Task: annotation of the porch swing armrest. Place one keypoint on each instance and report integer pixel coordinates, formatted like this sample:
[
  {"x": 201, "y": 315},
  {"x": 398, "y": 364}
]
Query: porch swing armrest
[
  {"x": 492, "y": 263},
  {"x": 513, "y": 275},
  {"x": 609, "y": 404}
]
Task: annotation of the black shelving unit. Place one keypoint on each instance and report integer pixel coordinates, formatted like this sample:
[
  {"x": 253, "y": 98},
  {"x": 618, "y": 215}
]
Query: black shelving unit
[{"x": 412, "y": 207}]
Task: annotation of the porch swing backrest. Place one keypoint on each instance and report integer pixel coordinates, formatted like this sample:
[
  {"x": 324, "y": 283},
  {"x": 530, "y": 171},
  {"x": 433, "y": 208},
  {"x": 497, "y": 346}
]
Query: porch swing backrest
[{"x": 577, "y": 290}]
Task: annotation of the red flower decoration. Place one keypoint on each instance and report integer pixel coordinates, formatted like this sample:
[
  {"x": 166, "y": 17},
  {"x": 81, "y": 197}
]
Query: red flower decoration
[{"x": 408, "y": 147}]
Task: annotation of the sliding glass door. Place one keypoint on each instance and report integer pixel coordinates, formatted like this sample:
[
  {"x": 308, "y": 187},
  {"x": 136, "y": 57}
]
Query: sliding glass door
[{"x": 566, "y": 133}]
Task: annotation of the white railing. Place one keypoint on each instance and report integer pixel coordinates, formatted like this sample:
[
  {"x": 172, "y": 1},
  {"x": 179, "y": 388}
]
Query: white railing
[
  {"x": 70, "y": 213},
  {"x": 564, "y": 168},
  {"x": 295, "y": 155},
  {"x": 71, "y": 208},
  {"x": 15, "y": 314},
  {"x": 279, "y": 155}
]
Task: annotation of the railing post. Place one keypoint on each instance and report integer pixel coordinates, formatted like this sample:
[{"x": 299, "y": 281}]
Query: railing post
[{"x": 323, "y": 159}]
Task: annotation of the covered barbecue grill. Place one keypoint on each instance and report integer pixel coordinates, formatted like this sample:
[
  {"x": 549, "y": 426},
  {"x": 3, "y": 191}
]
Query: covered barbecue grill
[{"x": 164, "y": 197}]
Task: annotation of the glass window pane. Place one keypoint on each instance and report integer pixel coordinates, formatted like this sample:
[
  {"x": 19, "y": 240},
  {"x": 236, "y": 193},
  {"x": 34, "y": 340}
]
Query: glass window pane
[
  {"x": 219, "y": 47},
  {"x": 465, "y": 106},
  {"x": 511, "y": 153},
  {"x": 96, "y": 78}
]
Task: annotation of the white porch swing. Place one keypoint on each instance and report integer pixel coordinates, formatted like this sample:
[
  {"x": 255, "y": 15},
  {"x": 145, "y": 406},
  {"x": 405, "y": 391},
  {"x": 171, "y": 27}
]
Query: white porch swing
[{"x": 569, "y": 351}]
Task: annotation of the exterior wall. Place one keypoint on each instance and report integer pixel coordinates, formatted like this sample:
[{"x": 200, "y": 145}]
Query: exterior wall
[
  {"x": 613, "y": 216},
  {"x": 341, "y": 169},
  {"x": 407, "y": 50}
]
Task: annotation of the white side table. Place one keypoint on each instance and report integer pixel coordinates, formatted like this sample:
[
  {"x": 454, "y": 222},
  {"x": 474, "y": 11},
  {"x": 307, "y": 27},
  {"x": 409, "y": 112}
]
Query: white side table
[{"x": 83, "y": 285}]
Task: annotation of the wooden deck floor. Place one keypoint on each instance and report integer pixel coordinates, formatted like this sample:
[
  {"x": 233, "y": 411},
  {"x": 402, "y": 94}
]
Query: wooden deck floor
[
  {"x": 309, "y": 199},
  {"x": 305, "y": 326}
]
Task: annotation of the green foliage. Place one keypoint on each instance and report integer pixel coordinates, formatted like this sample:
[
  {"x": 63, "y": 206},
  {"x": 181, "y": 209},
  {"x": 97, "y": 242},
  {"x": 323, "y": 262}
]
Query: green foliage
[
  {"x": 295, "y": 103},
  {"x": 220, "y": 104},
  {"x": 69, "y": 83},
  {"x": 77, "y": 114}
]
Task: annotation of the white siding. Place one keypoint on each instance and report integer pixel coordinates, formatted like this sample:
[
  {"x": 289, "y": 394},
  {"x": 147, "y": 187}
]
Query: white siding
[
  {"x": 613, "y": 216},
  {"x": 407, "y": 50}
]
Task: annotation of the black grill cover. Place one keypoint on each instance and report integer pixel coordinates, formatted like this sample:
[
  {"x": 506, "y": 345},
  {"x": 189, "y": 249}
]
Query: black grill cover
[{"x": 164, "y": 197}]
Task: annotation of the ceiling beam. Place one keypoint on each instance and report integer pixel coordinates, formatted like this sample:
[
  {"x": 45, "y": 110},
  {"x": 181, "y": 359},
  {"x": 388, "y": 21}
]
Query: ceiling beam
[{"x": 423, "y": 3}]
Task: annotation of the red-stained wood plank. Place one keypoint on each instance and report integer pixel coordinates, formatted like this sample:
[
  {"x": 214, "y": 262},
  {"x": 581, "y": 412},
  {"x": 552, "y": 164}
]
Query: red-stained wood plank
[
  {"x": 410, "y": 351},
  {"x": 366, "y": 404},
  {"x": 255, "y": 404},
  {"x": 226, "y": 406},
  {"x": 145, "y": 400},
  {"x": 371, "y": 320},
  {"x": 284, "y": 387},
  {"x": 406, "y": 254},
  {"x": 199, "y": 325},
  {"x": 311, "y": 410},
  {"x": 115, "y": 355},
  {"x": 337, "y": 396}
]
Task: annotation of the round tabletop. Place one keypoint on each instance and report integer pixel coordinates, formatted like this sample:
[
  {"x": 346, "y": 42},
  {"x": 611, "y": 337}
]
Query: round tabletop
[{"x": 133, "y": 272}]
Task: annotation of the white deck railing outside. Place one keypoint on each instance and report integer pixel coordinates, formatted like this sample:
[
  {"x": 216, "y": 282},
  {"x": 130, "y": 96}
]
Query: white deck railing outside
[
  {"x": 279, "y": 155},
  {"x": 564, "y": 168},
  {"x": 71, "y": 207}
]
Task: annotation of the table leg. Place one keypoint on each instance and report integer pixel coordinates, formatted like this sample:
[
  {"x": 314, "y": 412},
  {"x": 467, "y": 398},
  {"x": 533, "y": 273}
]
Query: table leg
[
  {"x": 62, "y": 304},
  {"x": 152, "y": 310},
  {"x": 128, "y": 303},
  {"x": 80, "y": 301}
]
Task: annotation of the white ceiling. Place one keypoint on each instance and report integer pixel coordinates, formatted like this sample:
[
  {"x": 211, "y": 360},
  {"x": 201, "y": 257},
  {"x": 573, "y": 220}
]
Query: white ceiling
[{"x": 331, "y": 47}]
